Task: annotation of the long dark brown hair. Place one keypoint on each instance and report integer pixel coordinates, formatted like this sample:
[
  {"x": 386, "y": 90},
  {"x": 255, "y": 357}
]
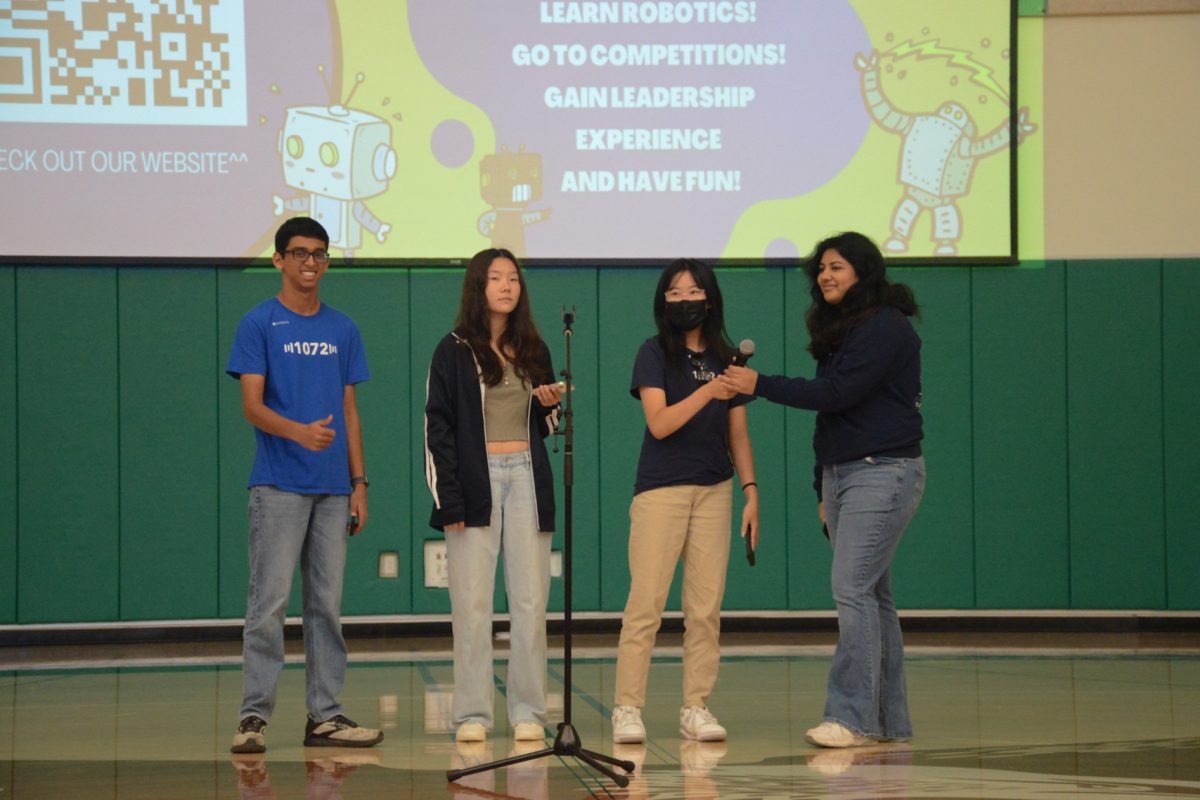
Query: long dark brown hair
[
  {"x": 520, "y": 336},
  {"x": 828, "y": 323}
]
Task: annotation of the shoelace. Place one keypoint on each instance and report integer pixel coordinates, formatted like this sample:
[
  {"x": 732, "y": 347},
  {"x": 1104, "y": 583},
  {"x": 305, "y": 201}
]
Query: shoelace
[
  {"x": 252, "y": 725},
  {"x": 706, "y": 716}
]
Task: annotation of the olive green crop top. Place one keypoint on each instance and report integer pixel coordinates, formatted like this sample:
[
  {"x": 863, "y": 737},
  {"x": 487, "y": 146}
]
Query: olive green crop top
[{"x": 506, "y": 409}]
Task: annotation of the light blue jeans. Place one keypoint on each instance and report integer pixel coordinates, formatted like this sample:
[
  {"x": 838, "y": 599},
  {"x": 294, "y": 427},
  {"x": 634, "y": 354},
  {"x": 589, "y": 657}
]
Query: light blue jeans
[
  {"x": 471, "y": 556},
  {"x": 868, "y": 504},
  {"x": 285, "y": 528}
]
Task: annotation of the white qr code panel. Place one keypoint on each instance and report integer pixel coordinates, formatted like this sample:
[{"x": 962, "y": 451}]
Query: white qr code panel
[{"x": 128, "y": 62}]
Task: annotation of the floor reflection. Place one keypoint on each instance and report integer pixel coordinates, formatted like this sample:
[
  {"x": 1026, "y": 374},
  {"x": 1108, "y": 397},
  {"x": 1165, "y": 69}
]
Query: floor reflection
[
  {"x": 529, "y": 779},
  {"x": 1107, "y": 726},
  {"x": 325, "y": 771}
]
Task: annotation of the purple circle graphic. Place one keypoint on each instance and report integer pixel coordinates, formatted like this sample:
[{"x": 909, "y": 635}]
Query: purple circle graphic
[
  {"x": 452, "y": 143},
  {"x": 781, "y": 248}
]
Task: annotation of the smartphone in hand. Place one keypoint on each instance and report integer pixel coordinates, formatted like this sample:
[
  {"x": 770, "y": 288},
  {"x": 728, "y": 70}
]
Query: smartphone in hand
[
  {"x": 352, "y": 525},
  {"x": 749, "y": 547}
]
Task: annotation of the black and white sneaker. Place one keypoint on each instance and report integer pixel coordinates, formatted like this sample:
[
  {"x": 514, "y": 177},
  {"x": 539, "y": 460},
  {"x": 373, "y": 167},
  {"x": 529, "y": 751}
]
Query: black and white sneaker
[
  {"x": 338, "y": 731},
  {"x": 249, "y": 737}
]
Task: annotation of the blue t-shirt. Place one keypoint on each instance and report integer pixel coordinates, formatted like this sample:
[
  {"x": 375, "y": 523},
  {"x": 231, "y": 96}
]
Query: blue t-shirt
[
  {"x": 698, "y": 453},
  {"x": 308, "y": 363}
]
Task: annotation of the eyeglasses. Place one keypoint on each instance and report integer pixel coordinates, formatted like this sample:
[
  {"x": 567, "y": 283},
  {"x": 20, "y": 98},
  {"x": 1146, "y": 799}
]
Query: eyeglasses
[
  {"x": 695, "y": 293},
  {"x": 301, "y": 255}
]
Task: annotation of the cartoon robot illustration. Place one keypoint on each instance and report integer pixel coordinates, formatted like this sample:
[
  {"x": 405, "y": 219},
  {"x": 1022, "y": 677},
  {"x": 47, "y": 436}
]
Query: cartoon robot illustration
[
  {"x": 937, "y": 159},
  {"x": 509, "y": 182},
  {"x": 338, "y": 157}
]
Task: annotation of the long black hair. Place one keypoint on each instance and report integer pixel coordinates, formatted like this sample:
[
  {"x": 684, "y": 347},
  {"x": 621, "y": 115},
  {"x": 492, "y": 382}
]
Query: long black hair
[
  {"x": 712, "y": 329},
  {"x": 828, "y": 323},
  {"x": 520, "y": 336}
]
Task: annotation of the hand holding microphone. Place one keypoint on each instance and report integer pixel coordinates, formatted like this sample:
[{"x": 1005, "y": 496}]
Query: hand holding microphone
[
  {"x": 744, "y": 352},
  {"x": 737, "y": 375},
  {"x": 550, "y": 394}
]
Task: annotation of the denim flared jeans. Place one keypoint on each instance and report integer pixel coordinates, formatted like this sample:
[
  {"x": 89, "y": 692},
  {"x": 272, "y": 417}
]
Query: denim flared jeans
[{"x": 868, "y": 504}]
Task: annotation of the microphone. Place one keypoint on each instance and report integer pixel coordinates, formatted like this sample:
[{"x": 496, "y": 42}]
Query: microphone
[{"x": 744, "y": 352}]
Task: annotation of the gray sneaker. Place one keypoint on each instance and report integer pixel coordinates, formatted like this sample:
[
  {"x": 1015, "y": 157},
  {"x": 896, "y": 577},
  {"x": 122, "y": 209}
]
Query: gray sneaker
[
  {"x": 338, "y": 731},
  {"x": 249, "y": 737}
]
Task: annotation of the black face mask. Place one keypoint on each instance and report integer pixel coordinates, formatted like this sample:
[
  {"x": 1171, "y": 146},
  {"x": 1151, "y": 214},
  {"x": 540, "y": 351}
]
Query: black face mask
[{"x": 685, "y": 315}]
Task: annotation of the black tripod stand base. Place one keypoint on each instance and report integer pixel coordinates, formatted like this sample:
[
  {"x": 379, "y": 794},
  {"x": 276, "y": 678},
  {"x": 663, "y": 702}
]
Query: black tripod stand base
[{"x": 566, "y": 743}]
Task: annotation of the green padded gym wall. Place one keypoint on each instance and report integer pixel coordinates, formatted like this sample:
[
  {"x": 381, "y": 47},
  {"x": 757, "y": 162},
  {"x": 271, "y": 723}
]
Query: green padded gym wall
[{"x": 1059, "y": 399}]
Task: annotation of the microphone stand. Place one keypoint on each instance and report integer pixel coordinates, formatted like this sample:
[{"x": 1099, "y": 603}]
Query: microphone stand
[{"x": 567, "y": 742}]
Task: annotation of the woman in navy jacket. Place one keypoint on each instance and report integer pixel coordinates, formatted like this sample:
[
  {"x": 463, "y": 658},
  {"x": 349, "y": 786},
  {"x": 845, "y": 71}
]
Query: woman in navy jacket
[
  {"x": 870, "y": 472},
  {"x": 491, "y": 399}
]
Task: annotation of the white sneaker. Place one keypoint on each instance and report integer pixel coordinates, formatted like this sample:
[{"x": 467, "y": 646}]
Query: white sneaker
[
  {"x": 831, "y": 734},
  {"x": 470, "y": 732},
  {"x": 627, "y": 725},
  {"x": 698, "y": 723},
  {"x": 529, "y": 732}
]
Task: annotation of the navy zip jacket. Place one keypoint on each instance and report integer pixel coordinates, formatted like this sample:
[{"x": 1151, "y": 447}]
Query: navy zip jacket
[
  {"x": 867, "y": 394},
  {"x": 456, "y": 468}
]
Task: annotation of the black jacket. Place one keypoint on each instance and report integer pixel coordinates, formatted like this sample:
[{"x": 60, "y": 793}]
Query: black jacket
[
  {"x": 867, "y": 393},
  {"x": 456, "y": 468}
]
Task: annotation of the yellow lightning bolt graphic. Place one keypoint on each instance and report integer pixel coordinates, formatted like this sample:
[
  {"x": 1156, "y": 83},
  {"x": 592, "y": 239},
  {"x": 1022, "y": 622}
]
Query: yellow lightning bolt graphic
[{"x": 980, "y": 73}]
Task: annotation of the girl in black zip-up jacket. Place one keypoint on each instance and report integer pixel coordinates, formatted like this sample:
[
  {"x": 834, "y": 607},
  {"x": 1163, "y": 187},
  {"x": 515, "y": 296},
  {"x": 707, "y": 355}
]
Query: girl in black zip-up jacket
[
  {"x": 455, "y": 449},
  {"x": 491, "y": 399},
  {"x": 870, "y": 472}
]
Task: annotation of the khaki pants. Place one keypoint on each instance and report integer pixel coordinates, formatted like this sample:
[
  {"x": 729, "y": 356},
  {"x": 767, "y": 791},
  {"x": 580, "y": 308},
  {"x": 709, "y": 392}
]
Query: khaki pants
[{"x": 692, "y": 522}]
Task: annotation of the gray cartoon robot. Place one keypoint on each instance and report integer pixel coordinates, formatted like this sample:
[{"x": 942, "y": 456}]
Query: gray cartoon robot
[
  {"x": 936, "y": 159},
  {"x": 337, "y": 157}
]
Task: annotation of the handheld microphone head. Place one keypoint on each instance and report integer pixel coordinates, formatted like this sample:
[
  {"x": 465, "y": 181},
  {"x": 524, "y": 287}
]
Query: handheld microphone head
[{"x": 745, "y": 350}]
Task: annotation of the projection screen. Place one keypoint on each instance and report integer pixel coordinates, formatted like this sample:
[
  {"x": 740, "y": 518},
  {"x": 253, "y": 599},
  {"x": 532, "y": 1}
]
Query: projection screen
[{"x": 152, "y": 131}]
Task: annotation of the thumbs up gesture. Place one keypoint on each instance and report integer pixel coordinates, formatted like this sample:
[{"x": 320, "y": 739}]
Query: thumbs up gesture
[{"x": 316, "y": 435}]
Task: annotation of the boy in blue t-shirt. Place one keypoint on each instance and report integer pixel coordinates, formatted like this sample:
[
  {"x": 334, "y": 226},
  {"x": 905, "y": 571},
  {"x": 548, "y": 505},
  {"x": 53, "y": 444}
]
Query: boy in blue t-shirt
[{"x": 298, "y": 362}]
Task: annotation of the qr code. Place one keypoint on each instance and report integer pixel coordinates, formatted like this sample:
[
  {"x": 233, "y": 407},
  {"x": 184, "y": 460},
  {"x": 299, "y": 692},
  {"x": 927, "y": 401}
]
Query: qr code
[{"x": 142, "y": 62}]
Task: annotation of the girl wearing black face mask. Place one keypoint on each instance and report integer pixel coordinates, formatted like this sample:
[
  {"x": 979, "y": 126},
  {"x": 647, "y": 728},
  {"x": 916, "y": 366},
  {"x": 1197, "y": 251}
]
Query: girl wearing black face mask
[{"x": 696, "y": 435}]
